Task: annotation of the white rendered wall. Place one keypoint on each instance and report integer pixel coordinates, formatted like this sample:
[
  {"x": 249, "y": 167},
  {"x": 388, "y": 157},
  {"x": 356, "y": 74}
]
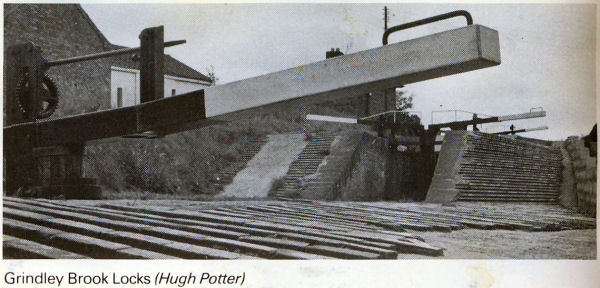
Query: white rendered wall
[{"x": 129, "y": 81}]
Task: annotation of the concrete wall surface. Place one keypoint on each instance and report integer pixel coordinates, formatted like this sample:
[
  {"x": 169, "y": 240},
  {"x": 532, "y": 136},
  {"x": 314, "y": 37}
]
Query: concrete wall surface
[{"x": 443, "y": 185}]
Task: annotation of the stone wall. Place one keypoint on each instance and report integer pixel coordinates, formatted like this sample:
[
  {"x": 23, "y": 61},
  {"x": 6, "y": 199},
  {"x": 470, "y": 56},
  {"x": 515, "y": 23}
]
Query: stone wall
[
  {"x": 64, "y": 31},
  {"x": 329, "y": 182},
  {"x": 367, "y": 180},
  {"x": 584, "y": 169},
  {"x": 443, "y": 185},
  {"x": 362, "y": 167}
]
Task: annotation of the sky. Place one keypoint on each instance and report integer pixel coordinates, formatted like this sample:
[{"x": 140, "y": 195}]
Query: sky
[{"x": 548, "y": 51}]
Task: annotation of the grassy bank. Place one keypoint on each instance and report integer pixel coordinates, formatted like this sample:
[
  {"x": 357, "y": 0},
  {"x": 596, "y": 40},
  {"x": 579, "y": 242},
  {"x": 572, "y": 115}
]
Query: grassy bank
[{"x": 183, "y": 165}]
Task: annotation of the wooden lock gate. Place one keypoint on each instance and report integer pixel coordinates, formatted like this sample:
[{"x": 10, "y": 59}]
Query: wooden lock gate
[{"x": 36, "y": 151}]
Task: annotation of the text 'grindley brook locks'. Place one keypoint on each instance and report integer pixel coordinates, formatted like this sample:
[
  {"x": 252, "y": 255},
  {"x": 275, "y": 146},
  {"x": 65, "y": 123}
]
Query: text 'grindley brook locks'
[{"x": 160, "y": 278}]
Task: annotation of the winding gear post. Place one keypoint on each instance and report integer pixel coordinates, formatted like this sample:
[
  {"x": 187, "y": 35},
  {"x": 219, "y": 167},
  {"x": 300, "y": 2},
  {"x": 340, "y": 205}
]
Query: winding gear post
[{"x": 34, "y": 169}]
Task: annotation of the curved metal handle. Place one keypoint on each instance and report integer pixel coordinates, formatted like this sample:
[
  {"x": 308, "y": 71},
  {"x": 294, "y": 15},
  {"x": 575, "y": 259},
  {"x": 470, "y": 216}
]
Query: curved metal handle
[{"x": 405, "y": 26}]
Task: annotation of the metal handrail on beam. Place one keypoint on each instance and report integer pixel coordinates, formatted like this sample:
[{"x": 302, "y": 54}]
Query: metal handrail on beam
[{"x": 440, "y": 17}]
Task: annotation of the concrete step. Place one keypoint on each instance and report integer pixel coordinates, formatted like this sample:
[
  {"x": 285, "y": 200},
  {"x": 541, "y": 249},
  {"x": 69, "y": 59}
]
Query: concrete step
[
  {"x": 509, "y": 164},
  {"x": 505, "y": 190},
  {"x": 466, "y": 185},
  {"x": 466, "y": 168},
  {"x": 507, "y": 199},
  {"x": 554, "y": 184}
]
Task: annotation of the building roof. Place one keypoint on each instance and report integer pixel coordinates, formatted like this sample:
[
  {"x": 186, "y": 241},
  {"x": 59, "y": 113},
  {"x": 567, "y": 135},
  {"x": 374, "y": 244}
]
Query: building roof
[{"x": 172, "y": 66}]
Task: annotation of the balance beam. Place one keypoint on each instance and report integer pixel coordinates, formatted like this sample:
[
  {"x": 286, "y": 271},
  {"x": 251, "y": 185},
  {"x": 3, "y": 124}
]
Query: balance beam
[
  {"x": 464, "y": 123},
  {"x": 508, "y": 132},
  {"x": 331, "y": 119},
  {"x": 446, "y": 53},
  {"x": 521, "y": 116}
]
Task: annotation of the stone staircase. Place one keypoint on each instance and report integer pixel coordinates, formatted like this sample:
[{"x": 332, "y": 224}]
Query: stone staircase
[
  {"x": 226, "y": 176},
  {"x": 497, "y": 168},
  {"x": 306, "y": 164}
]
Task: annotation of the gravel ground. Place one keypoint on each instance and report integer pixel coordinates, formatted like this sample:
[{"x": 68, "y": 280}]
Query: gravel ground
[{"x": 504, "y": 244}]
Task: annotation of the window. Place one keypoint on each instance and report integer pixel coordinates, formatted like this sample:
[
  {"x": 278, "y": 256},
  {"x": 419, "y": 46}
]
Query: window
[
  {"x": 173, "y": 92},
  {"x": 120, "y": 97}
]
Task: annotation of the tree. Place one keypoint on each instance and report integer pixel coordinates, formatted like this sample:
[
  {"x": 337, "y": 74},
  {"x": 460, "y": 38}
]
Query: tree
[{"x": 403, "y": 101}]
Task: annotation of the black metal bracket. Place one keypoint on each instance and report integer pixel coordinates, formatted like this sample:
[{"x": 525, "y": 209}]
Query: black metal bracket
[{"x": 440, "y": 17}]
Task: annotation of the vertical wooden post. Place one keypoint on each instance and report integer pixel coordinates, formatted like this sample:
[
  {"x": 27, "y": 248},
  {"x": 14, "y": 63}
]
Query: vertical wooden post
[
  {"x": 35, "y": 79},
  {"x": 389, "y": 96},
  {"x": 363, "y": 105},
  {"x": 151, "y": 64},
  {"x": 23, "y": 60},
  {"x": 428, "y": 161}
]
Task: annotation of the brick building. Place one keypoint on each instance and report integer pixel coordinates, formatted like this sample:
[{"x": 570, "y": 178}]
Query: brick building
[{"x": 65, "y": 30}]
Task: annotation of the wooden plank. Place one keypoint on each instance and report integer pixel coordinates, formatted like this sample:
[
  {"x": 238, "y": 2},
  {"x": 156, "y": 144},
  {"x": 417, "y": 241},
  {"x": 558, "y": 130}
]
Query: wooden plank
[
  {"x": 56, "y": 223},
  {"x": 260, "y": 250},
  {"x": 299, "y": 220},
  {"x": 474, "y": 222},
  {"x": 343, "y": 253},
  {"x": 93, "y": 247},
  {"x": 228, "y": 227},
  {"x": 183, "y": 236},
  {"x": 199, "y": 252},
  {"x": 418, "y": 247},
  {"x": 381, "y": 221},
  {"x": 307, "y": 214},
  {"x": 17, "y": 248},
  {"x": 347, "y": 238},
  {"x": 110, "y": 223},
  {"x": 77, "y": 243},
  {"x": 205, "y": 240},
  {"x": 531, "y": 215},
  {"x": 181, "y": 214},
  {"x": 444, "y": 218},
  {"x": 154, "y": 115},
  {"x": 169, "y": 247},
  {"x": 293, "y": 254},
  {"x": 385, "y": 251},
  {"x": 27, "y": 231},
  {"x": 332, "y": 221},
  {"x": 145, "y": 221},
  {"x": 275, "y": 242},
  {"x": 220, "y": 226},
  {"x": 355, "y": 242},
  {"x": 136, "y": 253},
  {"x": 407, "y": 214}
]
